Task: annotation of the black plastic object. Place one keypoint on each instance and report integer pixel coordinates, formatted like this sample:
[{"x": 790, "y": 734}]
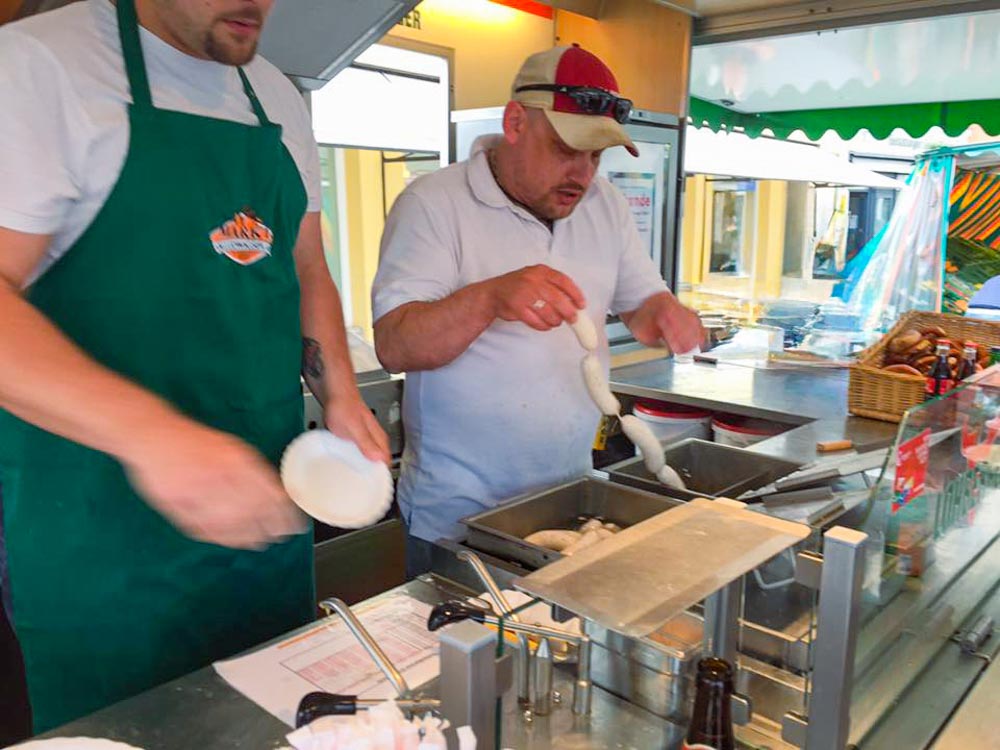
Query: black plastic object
[
  {"x": 453, "y": 611},
  {"x": 314, "y": 705}
]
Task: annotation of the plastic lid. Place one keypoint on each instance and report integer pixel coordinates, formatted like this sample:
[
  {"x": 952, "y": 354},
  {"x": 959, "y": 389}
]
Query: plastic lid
[
  {"x": 674, "y": 411},
  {"x": 747, "y": 425}
]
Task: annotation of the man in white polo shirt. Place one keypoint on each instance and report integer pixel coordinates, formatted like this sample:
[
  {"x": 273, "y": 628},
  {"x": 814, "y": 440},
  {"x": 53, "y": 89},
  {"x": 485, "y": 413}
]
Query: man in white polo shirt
[{"x": 482, "y": 263}]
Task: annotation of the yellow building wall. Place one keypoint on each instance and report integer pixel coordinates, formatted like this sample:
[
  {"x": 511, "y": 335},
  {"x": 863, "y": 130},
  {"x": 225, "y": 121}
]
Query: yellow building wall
[
  {"x": 772, "y": 202},
  {"x": 693, "y": 230},
  {"x": 490, "y": 42},
  {"x": 368, "y": 182},
  {"x": 365, "y": 222},
  {"x": 733, "y": 294}
]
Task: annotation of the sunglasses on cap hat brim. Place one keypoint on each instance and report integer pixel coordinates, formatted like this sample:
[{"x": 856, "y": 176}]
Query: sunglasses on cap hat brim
[{"x": 590, "y": 100}]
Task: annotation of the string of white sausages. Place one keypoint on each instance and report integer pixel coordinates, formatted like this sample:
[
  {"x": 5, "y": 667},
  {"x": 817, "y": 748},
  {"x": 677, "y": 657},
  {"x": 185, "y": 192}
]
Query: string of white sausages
[{"x": 600, "y": 393}]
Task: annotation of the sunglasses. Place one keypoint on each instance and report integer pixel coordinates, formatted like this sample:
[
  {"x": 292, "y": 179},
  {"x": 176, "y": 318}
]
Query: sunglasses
[{"x": 590, "y": 100}]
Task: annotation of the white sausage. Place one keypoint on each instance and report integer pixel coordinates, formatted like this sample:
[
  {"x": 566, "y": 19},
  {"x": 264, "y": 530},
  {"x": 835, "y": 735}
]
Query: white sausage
[
  {"x": 604, "y": 533},
  {"x": 587, "y": 540},
  {"x": 554, "y": 539},
  {"x": 597, "y": 386},
  {"x": 639, "y": 433},
  {"x": 585, "y": 331},
  {"x": 613, "y": 527},
  {"x": 592, "y": 524},
  {"x": 671, "y": 478}
]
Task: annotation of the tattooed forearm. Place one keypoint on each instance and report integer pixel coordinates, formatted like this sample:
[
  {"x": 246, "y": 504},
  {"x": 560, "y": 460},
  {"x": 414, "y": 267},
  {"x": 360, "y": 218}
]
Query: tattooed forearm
[{"x": 312, "y": 358}]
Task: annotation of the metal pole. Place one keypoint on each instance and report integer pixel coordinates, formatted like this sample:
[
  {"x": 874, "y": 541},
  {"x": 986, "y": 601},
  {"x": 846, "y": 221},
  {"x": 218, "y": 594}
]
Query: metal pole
[
  {"x": 722, "y": 621},
  {"x": 523, "y": 657},
  {"x": 365, "y": 639},
  {"x": 836, "y": 639},
  {"x": 583, "y": 687}
]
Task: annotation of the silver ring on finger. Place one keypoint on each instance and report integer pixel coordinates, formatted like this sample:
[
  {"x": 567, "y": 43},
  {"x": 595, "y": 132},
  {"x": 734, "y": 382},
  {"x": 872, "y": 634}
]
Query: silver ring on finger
[{"x": 538, "y": 304}]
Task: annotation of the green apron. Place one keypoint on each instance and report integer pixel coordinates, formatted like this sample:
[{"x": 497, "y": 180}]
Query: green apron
[{"x": 172, "y": 286}]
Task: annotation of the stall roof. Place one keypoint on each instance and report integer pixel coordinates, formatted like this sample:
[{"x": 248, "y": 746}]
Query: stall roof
[
  {"x": 979, "y": 157},
  {"x": 913, "y": 75},
  {"x": 737, "y": 155}
]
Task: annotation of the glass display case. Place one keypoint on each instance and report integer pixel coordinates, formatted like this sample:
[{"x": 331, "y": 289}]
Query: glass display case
[
  {"x": 932, "y": 521},
  {"x": 831, "y": 634}
]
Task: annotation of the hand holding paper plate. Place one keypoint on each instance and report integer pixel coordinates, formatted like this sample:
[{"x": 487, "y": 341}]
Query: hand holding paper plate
[{"x": 331, "y": 480}]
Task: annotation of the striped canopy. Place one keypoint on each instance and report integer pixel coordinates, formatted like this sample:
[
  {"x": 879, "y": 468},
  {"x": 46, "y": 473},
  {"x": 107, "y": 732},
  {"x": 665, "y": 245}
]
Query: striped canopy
[{"x": 975, "y": 208}]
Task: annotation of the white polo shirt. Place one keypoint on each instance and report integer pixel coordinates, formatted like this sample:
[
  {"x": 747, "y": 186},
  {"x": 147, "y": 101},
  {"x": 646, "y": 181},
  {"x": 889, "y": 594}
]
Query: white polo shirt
[
  {"x": 511, "y": 414},
  {"x": 64, "y": 122}
]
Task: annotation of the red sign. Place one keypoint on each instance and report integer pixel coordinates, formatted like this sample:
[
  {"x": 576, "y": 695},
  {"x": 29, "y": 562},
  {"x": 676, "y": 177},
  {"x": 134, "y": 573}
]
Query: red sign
[
  {"x": 911, "y": 470},
  {"x": 528, "y": 6}
]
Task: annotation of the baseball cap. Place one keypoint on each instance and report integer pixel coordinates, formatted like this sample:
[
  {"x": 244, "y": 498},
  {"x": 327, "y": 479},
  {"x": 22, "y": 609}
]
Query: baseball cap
[{"x": 583, "y": 112}]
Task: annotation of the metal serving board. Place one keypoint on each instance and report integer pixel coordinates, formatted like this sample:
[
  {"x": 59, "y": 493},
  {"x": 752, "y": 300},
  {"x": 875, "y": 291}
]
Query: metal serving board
[
  {"x": 644, "y": 576},
  {"x": 500, "y": 531},
  {"x": 708, "y": 469}
]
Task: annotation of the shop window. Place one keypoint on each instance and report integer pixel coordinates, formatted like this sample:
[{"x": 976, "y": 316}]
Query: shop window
[
  {"x": 380, "y": 123},
  {"x": 732, "y": 222},
  {"x": 832, "y": 222}
]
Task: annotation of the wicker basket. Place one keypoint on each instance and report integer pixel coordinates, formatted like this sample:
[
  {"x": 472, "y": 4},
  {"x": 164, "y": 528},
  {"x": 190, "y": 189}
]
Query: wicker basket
[{"x": 875, "y": 393}]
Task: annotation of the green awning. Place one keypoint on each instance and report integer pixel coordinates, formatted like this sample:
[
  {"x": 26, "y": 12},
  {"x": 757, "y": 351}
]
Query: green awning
[
  {"x": 916, "y": 75},
  {"x": 954, "y": 118}
]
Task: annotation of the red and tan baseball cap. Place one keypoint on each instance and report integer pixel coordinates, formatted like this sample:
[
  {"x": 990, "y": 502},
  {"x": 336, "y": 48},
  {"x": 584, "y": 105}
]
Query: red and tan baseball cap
[{"x": 579, "y": 95}]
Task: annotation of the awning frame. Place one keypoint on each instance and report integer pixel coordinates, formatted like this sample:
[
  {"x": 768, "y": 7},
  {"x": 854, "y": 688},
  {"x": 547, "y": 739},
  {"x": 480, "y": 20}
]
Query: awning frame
[
  {"x": 823, "y": 15},
  {"x": 954, "y": 118}
]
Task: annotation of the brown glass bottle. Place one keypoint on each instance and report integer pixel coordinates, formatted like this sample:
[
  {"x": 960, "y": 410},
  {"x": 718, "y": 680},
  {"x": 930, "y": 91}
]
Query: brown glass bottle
[
  {"x": 968, "y": 366},
  {"x": 711, "y": 726},
  {"x": 940, "y": 379}
]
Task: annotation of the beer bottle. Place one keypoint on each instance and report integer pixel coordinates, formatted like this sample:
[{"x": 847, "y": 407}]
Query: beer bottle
[
  {"x": 968, "y": 366},
  {"x": 940, "y": 379},
  {"x": 711, "y": 725}
]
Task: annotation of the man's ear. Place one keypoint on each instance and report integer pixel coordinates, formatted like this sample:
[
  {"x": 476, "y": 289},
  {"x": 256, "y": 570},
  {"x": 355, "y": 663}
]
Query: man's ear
[{"x": 515, "y": 121}]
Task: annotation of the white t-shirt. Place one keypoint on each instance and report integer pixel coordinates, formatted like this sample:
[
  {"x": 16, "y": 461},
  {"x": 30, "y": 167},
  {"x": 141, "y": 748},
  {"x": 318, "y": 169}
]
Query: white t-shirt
[
  {"x": 64, "y": 122},
  {"x": 512, "y": 413}
]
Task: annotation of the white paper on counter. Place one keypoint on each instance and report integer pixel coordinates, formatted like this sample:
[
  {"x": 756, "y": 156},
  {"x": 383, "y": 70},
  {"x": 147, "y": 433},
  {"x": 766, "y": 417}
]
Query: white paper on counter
[
  {"x": 328, "y": 657},
  {"x": 539, "y": 613}
]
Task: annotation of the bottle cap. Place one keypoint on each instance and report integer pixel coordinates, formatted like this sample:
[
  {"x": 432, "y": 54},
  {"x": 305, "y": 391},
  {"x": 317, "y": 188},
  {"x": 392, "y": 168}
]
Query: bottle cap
[{"x": 714, "y": 668}]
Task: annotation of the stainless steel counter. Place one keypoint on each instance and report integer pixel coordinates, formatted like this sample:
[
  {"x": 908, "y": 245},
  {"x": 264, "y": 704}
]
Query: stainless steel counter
[
  {"x": 788, "y": 395},
  {"x": 975, "y": 723},
  {"x": 201, "y": 711},
  {"x": 814, "y": 401}
]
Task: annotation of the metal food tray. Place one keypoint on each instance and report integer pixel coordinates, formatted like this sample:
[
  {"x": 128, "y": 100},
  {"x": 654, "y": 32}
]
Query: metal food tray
[
  {"x": 708, "y": 469},
  {"x": 500, "y": 531},
  {"x": 656, "y": 672}
]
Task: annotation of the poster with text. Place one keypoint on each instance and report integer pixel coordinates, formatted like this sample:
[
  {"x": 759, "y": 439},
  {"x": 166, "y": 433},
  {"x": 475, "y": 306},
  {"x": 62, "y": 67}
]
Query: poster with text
[
  {"x": 639, "y": 189},
  {"x": 911, "y": 470}
]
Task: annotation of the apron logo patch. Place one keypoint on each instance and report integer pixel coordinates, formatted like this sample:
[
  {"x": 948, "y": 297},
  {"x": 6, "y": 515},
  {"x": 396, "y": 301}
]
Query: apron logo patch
[{"x": 244, "y": 239}]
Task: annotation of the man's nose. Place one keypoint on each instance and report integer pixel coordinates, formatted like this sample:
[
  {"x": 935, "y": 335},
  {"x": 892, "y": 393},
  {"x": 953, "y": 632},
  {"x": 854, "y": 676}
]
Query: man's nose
[{"x": 583, "y": 168}]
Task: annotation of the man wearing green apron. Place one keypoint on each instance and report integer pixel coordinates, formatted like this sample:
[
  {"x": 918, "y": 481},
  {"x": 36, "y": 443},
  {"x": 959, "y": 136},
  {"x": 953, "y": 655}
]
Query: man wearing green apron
[{"x": 161, "y": 285}]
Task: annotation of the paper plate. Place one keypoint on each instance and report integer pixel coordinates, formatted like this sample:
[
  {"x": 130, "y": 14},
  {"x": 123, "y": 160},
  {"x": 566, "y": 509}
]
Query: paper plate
[
  {"x": 331, "y": 480},
  {"x": 74, "y": 743}
]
